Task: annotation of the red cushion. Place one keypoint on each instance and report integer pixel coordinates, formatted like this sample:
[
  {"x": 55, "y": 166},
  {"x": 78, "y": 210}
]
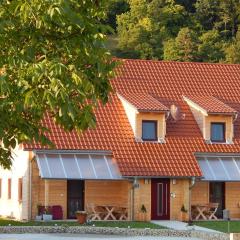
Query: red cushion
[{"x": 57, "y": 212}]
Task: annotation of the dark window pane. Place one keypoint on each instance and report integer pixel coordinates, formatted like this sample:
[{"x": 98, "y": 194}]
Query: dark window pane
[
  {"x": 149, "y": 130},
  {"x": 218, "y": 132}
]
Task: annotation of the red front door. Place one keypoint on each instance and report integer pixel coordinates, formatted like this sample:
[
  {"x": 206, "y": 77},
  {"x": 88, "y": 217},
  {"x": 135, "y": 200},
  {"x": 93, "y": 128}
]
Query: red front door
[{"x": 160, "y": 199}]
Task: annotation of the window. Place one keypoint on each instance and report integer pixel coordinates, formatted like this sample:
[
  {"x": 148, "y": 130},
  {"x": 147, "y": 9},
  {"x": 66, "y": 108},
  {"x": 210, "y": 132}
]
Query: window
[
  {"x": 20, "y": 189},
  {"x": 218, "y": 132},
  {"x": 149, "y": 130},
  {"x": 9, "y": 188}
]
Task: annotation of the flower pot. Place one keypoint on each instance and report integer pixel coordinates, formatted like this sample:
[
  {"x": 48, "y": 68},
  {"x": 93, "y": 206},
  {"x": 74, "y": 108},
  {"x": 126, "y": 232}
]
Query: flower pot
[
  {"x": 81, "y": 217},
  {"x": 142, "y": 217},
  {"x": 184, "y": 216},
  {"x": 47, "y": 217},
  {"x": 38, "y": 218}
]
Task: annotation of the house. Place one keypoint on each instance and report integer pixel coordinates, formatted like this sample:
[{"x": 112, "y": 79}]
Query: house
[{"x": 168, "y": 137}]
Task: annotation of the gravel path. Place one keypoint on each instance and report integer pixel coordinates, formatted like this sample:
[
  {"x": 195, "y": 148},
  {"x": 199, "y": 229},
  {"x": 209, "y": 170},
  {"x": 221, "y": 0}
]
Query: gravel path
[{"x": 82, "y": 237}]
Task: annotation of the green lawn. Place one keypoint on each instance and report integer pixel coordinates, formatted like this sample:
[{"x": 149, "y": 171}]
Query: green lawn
[
  {"x": 120, "y": 224},
  {"x": 222, "y": 226}
]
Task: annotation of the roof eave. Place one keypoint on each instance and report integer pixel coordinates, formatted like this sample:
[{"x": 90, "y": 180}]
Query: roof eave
[{"x": 152, "y": 111}]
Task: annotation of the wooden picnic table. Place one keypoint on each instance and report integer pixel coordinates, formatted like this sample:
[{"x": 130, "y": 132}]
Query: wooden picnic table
[
  {"x": 205, "y": 211},
  {"x": 108, "y": 212},
  {"x": 114, "y": 212},
  {"x": 200, "y": 209}
]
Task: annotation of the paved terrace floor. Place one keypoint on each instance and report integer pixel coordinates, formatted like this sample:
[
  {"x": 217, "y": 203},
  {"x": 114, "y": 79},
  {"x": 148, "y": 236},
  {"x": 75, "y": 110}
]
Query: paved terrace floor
[{"x": 82, "y": 237}]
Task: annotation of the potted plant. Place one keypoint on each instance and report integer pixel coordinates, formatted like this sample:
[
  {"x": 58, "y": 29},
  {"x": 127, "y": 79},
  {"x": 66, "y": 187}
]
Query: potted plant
[
  {"x": 39, "y": 213},
  {"x": 81, "y": 216},
  {"x": 184, "y": 214},
  {"x": 47, "y": 216},
  {"x": 143, "y": 213}
]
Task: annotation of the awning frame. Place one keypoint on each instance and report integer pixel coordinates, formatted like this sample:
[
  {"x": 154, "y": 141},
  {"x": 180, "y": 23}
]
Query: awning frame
[
  {"x": 228, "y": 164},
  {"x": 94, "y": 160}
]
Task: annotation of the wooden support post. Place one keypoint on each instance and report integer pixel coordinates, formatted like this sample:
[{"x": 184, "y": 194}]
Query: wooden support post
[{"x": 46, "y": 193}]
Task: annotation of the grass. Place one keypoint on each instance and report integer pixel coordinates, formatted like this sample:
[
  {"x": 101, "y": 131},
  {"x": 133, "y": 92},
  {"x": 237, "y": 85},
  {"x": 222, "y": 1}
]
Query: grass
[
  {"x": 120, "y": 224},
  {"x": 222, "y": 226}
]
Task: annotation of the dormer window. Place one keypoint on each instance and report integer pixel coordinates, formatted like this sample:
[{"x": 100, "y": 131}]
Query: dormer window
[
  {"x": 147, "y": 116},
  {"x": 218, "y": 132},
  {"x": 149, "y": 130},
  {"x": 214, "y": 118}
]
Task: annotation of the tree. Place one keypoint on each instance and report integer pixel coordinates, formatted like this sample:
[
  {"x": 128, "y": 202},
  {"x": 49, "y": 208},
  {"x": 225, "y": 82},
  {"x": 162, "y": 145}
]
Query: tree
[
  {"x": 114, "y": 8},
  {"x": 149, "y": 29},
  {"x": 183, "y": 48},
  {"x": 233, "y": 50},
  {"x": 223, "y": 15},
  {"x": 147, "y": 24},
  {"x": 52, "y": 59},
  {"x": 188, "y": 4},
  {"x": 211, "y": 47},
  {"x": 207, "y": 13},
  {"x": 229, "y": 17}
]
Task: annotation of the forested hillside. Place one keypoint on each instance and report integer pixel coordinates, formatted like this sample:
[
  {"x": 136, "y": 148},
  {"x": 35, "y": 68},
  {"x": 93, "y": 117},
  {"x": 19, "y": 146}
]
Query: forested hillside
[{"x": 179, "y": 30}]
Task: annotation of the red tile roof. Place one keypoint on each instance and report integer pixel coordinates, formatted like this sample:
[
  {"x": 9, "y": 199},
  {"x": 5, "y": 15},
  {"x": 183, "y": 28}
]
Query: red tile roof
[
  {"x": 169, "y": 81},
  {"x": 211, "y": 104},
  {"x": 144, "y": 102}
]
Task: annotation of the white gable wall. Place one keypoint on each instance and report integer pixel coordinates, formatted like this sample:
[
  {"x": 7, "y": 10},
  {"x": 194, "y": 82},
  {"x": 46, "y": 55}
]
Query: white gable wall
[
  {"x": 131, "y": 112},
  {"x": 13, "y": 207}
]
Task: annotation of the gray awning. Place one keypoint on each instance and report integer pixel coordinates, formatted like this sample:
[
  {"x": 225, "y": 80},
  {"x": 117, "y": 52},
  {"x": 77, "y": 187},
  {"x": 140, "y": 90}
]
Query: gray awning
[
  {"x": 223, "y": 168},
  {"x": 77, "y": 166}
]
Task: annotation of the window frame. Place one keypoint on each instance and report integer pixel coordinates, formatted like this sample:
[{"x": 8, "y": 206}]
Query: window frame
[
  {"x": 9, "y": 188},
  {"x": 156, "y": 130},
  {"x": 224, "y": 132}
]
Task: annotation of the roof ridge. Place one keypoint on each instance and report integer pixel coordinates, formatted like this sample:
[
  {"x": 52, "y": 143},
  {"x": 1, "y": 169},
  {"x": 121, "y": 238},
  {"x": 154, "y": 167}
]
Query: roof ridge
[
  {"x": 223, "y": 103},
  {"x": 176, "y": 62},
  {"x": 195, "y": 99}
]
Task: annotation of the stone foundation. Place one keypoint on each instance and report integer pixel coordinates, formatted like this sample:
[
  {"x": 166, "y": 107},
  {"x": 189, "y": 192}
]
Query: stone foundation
[{"x": 114, "y": 231}]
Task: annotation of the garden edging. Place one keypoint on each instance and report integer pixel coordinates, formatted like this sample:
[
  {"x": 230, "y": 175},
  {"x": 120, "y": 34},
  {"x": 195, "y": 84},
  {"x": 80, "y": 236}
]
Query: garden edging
[{"x": 114, "y": 231}]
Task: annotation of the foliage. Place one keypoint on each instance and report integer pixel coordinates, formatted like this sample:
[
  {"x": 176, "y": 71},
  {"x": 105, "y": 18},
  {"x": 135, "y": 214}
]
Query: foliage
[
  {"x": 211, "y": 47},
  {"x": 183, "y": 209},
  {"x": 154, "y": 29},
  {"x": 233, "y": 50},
  {"x": 148, "y": 23},
  {"x": 114, "y": 8},
  {"x": 52, "y": 59},
  {"x": 143, "y": 209},
  {"x": 183, "y": 48}
]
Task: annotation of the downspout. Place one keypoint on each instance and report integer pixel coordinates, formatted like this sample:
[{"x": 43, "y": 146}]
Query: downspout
[
  {"x": 193, "y": 181},
  {"x": 30, "y": 186},
  {"x": 134, "y": 185},
  {"x": 132, "y": 190}
]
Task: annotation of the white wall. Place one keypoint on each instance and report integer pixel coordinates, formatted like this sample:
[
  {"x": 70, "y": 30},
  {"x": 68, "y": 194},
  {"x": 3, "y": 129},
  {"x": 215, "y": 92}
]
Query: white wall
[
  {"x": 200, "y": 119},
  {"x": 131, "y": 112},
  {"x": 13, "y": 207}
]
